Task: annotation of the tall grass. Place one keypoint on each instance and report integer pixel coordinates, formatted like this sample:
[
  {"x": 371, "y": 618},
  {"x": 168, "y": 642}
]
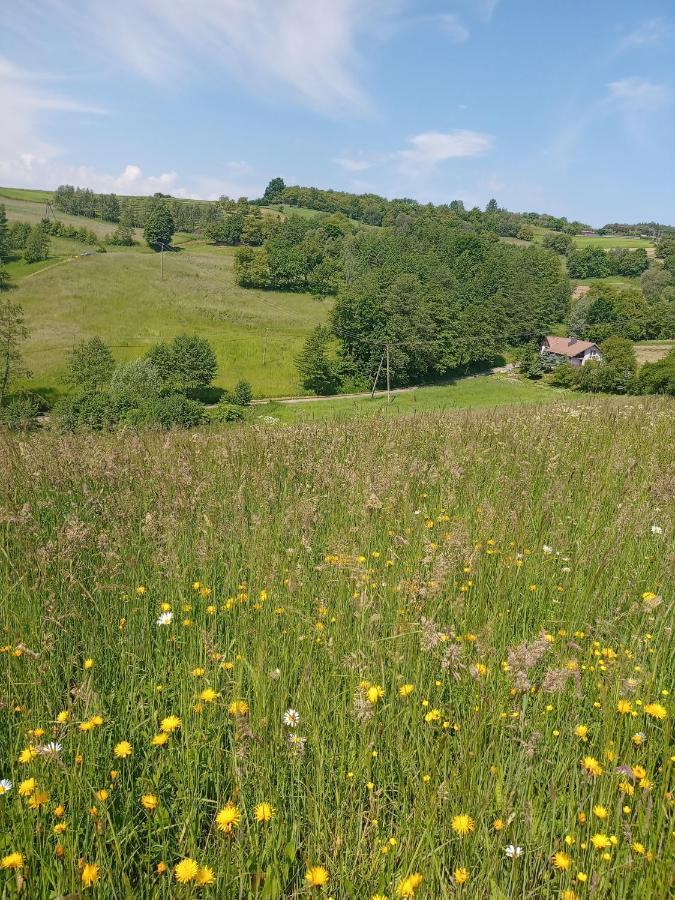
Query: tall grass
[{"x": 307, "y": 568}]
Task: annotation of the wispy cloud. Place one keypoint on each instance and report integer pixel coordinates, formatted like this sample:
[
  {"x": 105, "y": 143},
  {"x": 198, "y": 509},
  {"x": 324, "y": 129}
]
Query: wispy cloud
[
  {"x": 24, "y": 98},
  {"x": 637, "y": 94},
  {"x": 647, "y": 33},
  {"x": 633, "y": 102},
  {"x": 432, "y": 147},
  {"x": 424, "y": 152},
  {"x": 452, "y": 25},
  {"x": 307, "y": 49}
]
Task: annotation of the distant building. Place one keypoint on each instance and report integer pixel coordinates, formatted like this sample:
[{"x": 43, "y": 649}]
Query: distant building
[
  {"x": 571, "y": 350},
  {"x": 589, "y": 234}
]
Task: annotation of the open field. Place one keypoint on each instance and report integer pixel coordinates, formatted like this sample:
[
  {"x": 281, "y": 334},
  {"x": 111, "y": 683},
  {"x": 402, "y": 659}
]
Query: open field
[
  {"x": 473, "y": 392},
  {"x": 35, "y": 196},
  {"x": 32, "y": 211},
  {"x": 613, "y": 241},
  {"x": 469, "y": 613},
  {"x": 653, "y": 351},
  {"x": 120, "y": 297}
]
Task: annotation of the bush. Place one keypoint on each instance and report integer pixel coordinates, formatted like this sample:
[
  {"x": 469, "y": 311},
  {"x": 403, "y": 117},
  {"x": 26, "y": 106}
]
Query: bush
[
  {"x": 171, "y": 411},
  {"x": 134, "y": 383},
  {"x": 228, "y": 412},
  {"x": 242, "y": 394},
  {"x": 20, "y": 414},
  {"x": 657, "y": 377},
  {"x": 93, "y": 411}
]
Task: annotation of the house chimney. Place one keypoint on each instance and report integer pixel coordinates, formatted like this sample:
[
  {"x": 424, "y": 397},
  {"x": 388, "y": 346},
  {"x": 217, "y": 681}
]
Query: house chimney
[{"x": 572, "y": 340}]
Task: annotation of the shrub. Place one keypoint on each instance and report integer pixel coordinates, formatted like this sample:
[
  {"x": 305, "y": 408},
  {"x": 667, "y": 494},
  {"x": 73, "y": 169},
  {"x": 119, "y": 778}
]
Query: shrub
[
  {"x": 171, "y": 411},
  {"x": 242, "y": 394},
  {"x": 94, "y": 411},
  {"x": 20, "y": 414},
  {"x": 228, "y": 412},
  {"x": 135, "y": 383}
]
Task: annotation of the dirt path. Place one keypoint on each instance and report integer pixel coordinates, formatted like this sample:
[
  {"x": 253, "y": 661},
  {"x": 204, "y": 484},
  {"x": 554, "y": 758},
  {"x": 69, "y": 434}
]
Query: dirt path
[{"x": 365, "y": 394}]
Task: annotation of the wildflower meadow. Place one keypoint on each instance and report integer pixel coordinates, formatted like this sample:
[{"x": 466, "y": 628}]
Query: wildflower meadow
[{"x": 423, "y": 657}]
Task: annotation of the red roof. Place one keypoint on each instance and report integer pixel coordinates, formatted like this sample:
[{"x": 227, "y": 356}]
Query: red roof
[{"x": 563, "y": 346}]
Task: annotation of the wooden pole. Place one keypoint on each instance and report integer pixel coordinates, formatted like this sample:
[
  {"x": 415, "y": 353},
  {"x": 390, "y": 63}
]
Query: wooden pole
[
  {"x": 386, "y": 347},
  {"x": 372, "y": 393}
]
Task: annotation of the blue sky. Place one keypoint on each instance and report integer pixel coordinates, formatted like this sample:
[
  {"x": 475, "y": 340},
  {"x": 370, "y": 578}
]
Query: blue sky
[{"x": 549, "y": 106}]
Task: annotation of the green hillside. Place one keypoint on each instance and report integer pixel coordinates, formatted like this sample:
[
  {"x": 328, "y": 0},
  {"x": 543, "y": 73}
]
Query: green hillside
[{"x": 120, "y": 297}]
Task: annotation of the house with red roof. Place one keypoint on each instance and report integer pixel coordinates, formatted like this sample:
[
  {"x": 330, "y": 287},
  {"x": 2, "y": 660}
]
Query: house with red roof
[{"x": 570, "y": 349}]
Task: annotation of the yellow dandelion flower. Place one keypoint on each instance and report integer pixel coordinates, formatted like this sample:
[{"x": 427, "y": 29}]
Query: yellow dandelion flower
[
  {"x": 149, "y": 802},
  {"x": 463, "y": 824},
  {"x": 123, "y": 749},
  {"x": 27, "y": 787},
  {"x": 406, "y": 690},
  {"x": 204, "y": 876},
  {"x": 461, "y": 875},
  {"x": 160, "y": 739},
  {"x": 581, "y": 731},
  {"x": 208, "y": 695},
  {"x": 639, "y": 772},
  {"x": 601, "y": 841},
  {"x": 63, "y": 717},
  {"x": 186, "y": 870},
  {"x": 600, "y": 812},
  {"x": 407, "y": 886},
  {"x": 161, "y": 868},
  {"x": 264, "y": 812},
  {"x": 12, "y": 861},
  {"x": 638, "y": 848},
  {"x": 591, "y": 766},
  {"x": 90, "y": 874},
  {"x": 316, "y": 876},
  {"x": 169, "y": 724},
  {"x": 374, "y": 694},
  {"x": 624, "y": 706},
  {"x": 498, "y": 824},
  {"x": 561, "y": 860},
  {"x": 238, "y": 708},
  {"x": 27, "y": 755},
  {"x": 89, "y": 664},
  {"x": 228, "y": 818},
  {"x": 102, "y": 795},
  {"x": 656, "y": 710}
]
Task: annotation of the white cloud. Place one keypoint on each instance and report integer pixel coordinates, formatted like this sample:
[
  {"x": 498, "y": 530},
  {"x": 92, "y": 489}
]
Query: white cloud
[
  {"x": 424, "y": 153},
  {"x": 307, "y": 49},
  {"x": 638, "y": 94},
  {"x": 649, "y": 32},
  {"x": 432, "y": 147},
  {"x": 453, "y": 26}
]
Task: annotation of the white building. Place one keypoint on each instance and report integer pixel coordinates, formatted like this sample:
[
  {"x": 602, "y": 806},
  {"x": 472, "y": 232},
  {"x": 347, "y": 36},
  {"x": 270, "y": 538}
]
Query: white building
[{"x": 570, "y": 349}]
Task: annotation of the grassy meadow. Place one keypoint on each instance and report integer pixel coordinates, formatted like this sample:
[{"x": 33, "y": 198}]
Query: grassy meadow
[
  {"x": 472, "y": 392},
  {"x": 424, "y": 657},
  {"x": 120, "y": 297}
]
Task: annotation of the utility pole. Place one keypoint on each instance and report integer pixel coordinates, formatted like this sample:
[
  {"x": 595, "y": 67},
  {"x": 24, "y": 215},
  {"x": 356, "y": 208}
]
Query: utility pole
[
  {"x": 386, "y": 347},
  {"x": 372, "y": 393}
]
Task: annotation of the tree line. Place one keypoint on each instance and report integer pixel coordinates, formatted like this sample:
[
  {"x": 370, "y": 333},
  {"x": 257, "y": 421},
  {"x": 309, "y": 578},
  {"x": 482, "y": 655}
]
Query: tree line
[{"x": 375, "y": 210}]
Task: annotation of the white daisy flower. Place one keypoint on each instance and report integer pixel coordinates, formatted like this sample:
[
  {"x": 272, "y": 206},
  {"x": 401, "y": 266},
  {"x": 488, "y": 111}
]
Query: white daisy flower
[
  {"x": 512, "y": 851},
  {"x": 50, "y": 749},
  {"x": 291, "y": 718},
  {"x": 656, "y": 529},
  {"x": 165, "y": 618},
  {"x": 5, "y": 786},
  {"x": 547, "y": 549}
]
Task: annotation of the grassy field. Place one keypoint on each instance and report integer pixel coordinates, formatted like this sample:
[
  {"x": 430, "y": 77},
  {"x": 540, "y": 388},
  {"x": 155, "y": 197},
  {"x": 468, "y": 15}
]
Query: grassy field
[
  {"x": 25, "y": 194},
  {"x": 120, "y": 297},
  {"x": 427, "y": 657},
  {"x": 613, "y": 241},
  {"x": 475, "y": 393},
  {"x": 653, "y": 351}
]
